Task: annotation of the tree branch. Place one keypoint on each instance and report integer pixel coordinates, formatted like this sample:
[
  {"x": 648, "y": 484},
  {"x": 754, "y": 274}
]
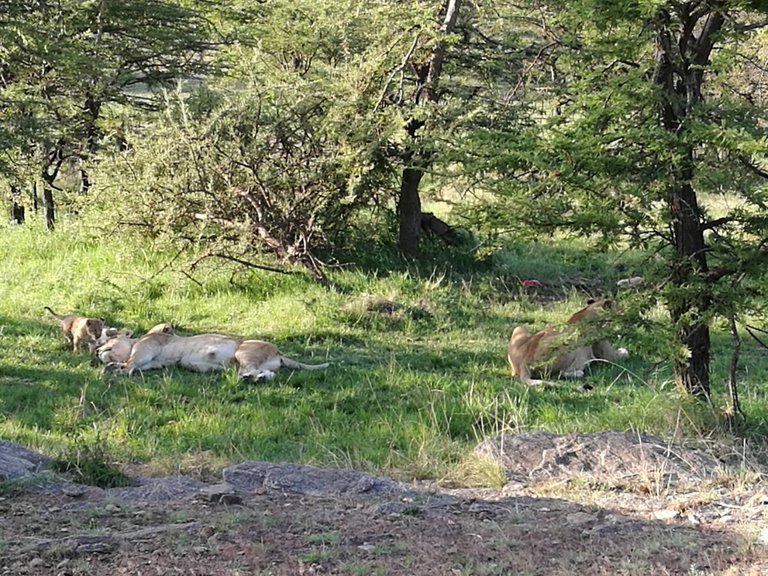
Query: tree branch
[{"x": 753, "y": 167}]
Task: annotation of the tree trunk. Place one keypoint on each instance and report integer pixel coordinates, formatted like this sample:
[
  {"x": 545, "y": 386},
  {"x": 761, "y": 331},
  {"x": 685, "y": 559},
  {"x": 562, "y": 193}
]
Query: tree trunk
[
  {"x": 428, "y": 77},
  {"x": 688, "y": 311},
  {"x": 85, "y": 181},
  {"x": 681, "y": 57},
  {"x": 48, "y": 175},
  {"x": 49, "y": 208},
  {"x": 17, "y": 207},
  {"x": 409, "y": 211},
  {"x": 93, "y": 136},
  {"x": 734, "y": 413}
]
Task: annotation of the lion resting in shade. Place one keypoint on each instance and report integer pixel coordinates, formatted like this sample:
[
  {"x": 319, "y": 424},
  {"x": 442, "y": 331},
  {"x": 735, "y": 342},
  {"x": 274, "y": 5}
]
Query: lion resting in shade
[{"x": 559, "y": 353}]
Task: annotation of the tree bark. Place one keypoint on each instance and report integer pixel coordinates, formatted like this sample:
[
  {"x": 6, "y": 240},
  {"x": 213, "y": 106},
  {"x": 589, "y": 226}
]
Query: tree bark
[
  {"x": 409, "y": 211},
  {"x": 93, "y": 136},
  {"x": 734, "y": 413},
  {"x": 48, "y": 174},
  {"x": 418, "y": 160},
  {"x": 689, "y": 310},
  {"x": 49, "y": 208}
]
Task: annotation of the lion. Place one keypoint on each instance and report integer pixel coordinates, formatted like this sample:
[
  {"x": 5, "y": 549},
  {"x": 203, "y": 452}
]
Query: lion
[
  {"x": 206, "y": 353},
  {"x": 261, "y": 360},
  {"x": 107, "y": 334},
  {"x": 79, "y": 330},
  {"x": 554, "y": 352},
  {"x": 117, "y": 348}
]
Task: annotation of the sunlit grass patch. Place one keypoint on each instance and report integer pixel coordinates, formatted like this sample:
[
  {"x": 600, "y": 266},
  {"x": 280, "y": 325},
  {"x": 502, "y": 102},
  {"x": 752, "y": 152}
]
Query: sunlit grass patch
[{"x": 418, "y": 369}]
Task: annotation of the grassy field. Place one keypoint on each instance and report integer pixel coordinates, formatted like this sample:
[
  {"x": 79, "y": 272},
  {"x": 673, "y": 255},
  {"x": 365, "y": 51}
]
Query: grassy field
[{"x": 409, "y": 393}]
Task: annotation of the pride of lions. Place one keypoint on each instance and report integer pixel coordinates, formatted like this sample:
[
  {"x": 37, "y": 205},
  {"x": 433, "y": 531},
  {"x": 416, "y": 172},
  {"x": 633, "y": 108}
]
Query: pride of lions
[
  {"x": 551, "y": 352},
  {"x": 161, "y": 347}
]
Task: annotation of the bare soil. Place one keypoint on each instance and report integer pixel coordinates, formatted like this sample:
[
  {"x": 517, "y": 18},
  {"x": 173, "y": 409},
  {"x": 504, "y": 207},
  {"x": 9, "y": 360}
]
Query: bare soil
[{"x": 556, "y": 529}]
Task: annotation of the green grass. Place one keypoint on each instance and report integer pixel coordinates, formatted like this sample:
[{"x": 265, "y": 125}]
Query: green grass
[{"x": 408, "y": 394}]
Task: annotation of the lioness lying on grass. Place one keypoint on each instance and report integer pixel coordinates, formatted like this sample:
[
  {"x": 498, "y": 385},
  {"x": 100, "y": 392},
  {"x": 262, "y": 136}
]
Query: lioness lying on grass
[
  {"x": 552, "y": 352},
  {"x": 206, "y": 353},
  {"x": 117, "y": 348}
]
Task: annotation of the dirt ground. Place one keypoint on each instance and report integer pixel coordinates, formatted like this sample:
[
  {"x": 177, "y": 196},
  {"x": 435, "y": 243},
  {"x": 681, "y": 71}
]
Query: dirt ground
[{"x": 560, "y": 531}]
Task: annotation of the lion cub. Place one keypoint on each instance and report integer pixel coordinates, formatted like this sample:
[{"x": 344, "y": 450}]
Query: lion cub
[
  {"x": 79, "y": 330},
  {"x": 117, "y": 349}
]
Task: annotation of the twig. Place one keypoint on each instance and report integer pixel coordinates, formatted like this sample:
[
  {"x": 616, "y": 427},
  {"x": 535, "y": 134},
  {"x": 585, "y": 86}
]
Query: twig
[
  {"x": 397, "y": 69},
  {"x": 733, "y": 392},
  {"x": 751, "y": 333}
]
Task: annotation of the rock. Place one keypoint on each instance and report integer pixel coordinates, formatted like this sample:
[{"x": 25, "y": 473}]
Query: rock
[
  {"x": 292, "y": 478},
  {"x": 576, "y": 518},
  {"x": 220, "y": 494},
  {"x": 632, "y": 282},
  {"x": 666, "y": 514},
  {"x": 74, "y": 490},
  {"x": 95, "y": 544},
  {"x": 158, "y": 489},
  {"x": 610, "y": 457},
  {"x": 19, "y": 462}
]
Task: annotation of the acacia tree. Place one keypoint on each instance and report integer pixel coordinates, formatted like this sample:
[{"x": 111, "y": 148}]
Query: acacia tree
[
  {"x": 276, "y": 158},
  {"x": 459, "y": 68},
  {"x": 356, "y": 82},
  {"x": 418, "y": 157},
  {"x": 64, "y": 62},
  {"x": 648, "y": 118}
]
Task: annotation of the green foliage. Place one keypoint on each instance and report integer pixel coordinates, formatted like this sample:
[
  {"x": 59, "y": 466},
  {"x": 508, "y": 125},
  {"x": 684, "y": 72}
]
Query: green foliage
[
  {"x": 285, "y": 154},
  {"x": 64, "y": 64},
  {"x": 233, "y": 176}
]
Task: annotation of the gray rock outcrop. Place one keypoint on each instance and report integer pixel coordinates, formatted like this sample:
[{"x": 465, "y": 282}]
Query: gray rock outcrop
[
  {"x": 608, "y": 456},
  {"x": 296, "y": 479},
  {"x": 19, "y": 462}
]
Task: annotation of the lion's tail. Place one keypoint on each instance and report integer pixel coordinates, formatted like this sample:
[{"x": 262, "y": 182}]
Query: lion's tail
[
  {"x": 59, "y": 316},
  {"x": 294, "y": 365}
]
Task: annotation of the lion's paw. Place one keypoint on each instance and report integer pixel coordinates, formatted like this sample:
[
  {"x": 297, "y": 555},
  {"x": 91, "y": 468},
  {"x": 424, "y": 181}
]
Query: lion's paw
[{"x": 574, "y": 374}]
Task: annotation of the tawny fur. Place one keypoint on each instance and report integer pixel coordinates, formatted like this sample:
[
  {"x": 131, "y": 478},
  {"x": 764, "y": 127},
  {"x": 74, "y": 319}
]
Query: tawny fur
[
  {"x": 257, "y": 359},
  {"x": 208, "y": 352},
  {"x": 107, "y": 334},
  {"x": 526, "y": 349},
  {"x": 117, "y": 349},
  {"x": 79, "y": 330}
]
